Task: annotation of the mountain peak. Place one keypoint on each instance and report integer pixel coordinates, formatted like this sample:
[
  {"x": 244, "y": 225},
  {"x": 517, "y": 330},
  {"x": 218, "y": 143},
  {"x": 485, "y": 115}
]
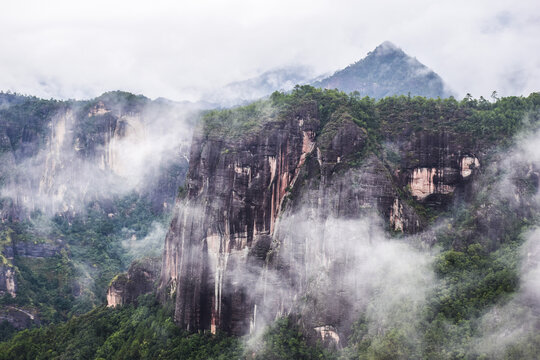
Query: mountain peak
[
  {"x": 386, "y": 48},
  {"x": 387, "y": 71}
]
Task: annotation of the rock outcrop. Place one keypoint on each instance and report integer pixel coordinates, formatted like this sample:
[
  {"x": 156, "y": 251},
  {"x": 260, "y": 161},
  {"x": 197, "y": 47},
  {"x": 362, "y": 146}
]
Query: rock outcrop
[
  {"x": 224, "y": 243},
  {"x": 19, "y": 318},
  {"x": 33, "y": 250},
  {"x": 58, "y": 159},
  {"x": 11, "y": 248},
  {"x": 77, "y": 152},
  {"x": 7, "y": 280},
  {"x": 236, "y": 188},
  {"x": 140, "y": 279},
  {"x": 435, "y": 164}
]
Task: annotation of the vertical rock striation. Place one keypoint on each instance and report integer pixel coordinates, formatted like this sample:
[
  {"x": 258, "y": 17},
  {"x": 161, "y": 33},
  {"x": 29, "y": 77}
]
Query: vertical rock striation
[
  {"x": 223, "y": 229},
  {"x": 140, "y": 279},
  {"x": 225, "y": 251}
]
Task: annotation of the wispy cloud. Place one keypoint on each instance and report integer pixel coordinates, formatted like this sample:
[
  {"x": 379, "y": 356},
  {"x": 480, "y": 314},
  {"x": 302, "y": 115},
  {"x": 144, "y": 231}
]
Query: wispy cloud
[{"x": 181, "y": 50}]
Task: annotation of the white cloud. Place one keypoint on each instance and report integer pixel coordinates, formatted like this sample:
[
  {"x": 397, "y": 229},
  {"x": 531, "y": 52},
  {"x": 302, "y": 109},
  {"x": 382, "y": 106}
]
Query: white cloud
[{"x": 179, "y": 49}]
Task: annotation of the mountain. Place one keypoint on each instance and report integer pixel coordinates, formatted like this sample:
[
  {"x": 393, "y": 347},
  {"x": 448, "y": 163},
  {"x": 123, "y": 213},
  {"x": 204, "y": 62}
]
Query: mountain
[
  {"x": 312, "y": 224},
  {"x": 287, "y": 202},
  {"x": 261, "y": 169},
  {"x": 245, "y": 91},
  {"x": 387, "y": 71},
  {"x": 85, "y": 187}
]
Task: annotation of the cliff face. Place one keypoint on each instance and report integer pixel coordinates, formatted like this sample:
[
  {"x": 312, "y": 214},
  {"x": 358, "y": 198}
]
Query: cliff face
[
  {"x": 435, "y": 164},
  {"x": 235, "y": 191},
  {"x": 63, "y": 155},
  {"x": 65, "y": 164},
  {"x": 7, "y": 280},
  {"x": 225, "y": 250},
  {"x": 139, "y": 279}
]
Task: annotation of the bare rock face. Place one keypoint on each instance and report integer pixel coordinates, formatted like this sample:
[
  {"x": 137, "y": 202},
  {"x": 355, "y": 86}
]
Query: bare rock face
[
  {"x": 10, "y": 249},
  {"x": 58, "y": 157},
  {"x": 140, "y": 279},
  {"x": 7, "y": 280},
  {"x": 33, "y": 250},
  {"x": 328, "y": 336},
  {"x": 235, "y": 192},
  {"x": 116, "y": 294},
  {"x": 83, "y": 151},
  {"x": 224, "y": 246},
  {"x": 435, "y": 164},
  {"x": 20, "y": 318}
]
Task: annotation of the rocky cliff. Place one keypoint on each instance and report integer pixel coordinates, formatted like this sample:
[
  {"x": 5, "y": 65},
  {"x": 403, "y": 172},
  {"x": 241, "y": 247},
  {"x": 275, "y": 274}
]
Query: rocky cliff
[
  {"x": 82, "y": 151},
  {"x": 140, "y": 279},
  {"x": 20, "y": 316},
  {"x": 235, "y": 191},
  {"x": 66, "y": 166},
  {"x": 229, "y": 262}
]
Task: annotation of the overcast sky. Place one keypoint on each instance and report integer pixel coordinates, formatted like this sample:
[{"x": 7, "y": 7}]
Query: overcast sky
[{"x": 177, "y": 49}]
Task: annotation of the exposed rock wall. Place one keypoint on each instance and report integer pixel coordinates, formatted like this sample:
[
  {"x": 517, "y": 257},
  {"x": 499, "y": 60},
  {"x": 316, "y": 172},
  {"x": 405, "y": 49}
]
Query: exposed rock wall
[
  {"x": 225, "y": 234},
  {"x": 235, "y": 191},
  {"x": 10, "y": 249},
  {"x": 20, "y": 318},
  {"x": 59, "y": 157},
  {"x": 116, "y": 294},
  {"x": 434, "y": 164},
  {"x": 80, "y": 153},
  {"x": 27, "y": 249},
  {"x": 7, "y": 280},
  {"x": 140, "y": 279}
]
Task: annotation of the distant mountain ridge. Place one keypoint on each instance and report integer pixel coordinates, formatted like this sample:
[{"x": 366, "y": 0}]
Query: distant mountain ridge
[
  {"x": 387, "y": 71},
  {"x": 244, "y": 91}
]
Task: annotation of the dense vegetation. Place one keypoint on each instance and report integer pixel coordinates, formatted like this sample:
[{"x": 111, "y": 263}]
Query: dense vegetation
[
  {"x": 389, "y": 117},
  {"x": 145, "y": 332},
  {"x": 76, "y": 280},
  {"x": 148, "y": 332},
  {"x": 23, "y": 119},
  {"x": 239, "y": 121},
  {"x": 92, "y": 243},
  {"x": 387, "y": 71},
  {"x": 476, "y": 268}
]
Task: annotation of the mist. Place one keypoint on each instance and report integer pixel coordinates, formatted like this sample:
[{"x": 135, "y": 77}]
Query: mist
[
  {"x": 516, "y": 319},
  {"x": 65, "y": 175},
  {"x": 150, "y": 245},
  {"x": 331, "y": 273},
  {"x": 181, "y": 51}
]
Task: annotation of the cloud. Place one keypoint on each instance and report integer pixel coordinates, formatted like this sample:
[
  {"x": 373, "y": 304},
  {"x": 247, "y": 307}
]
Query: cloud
[
  {"x": 339, "y": 270},
  {"x": 62, "y": 178},
  {"x": 181, "y": 50},
  {"x": 516, "y": 320},
  {"x": 150, "y": 245}
]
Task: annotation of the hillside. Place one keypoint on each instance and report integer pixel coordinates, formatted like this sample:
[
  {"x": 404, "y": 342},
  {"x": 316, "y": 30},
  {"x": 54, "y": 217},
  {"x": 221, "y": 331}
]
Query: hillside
[
  {"x": 83, "y": 191},
  {"x": 331, "y": 224},
  {"x": 257, "y": 87},
  {"x": 380, "y": 229},
  {"x": 387, "y": 71}
]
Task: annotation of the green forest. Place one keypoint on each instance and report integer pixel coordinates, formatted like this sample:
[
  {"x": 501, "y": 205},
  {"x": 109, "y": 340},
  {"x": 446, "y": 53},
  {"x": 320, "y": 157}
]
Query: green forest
[{"x": 476, "y": 269}]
